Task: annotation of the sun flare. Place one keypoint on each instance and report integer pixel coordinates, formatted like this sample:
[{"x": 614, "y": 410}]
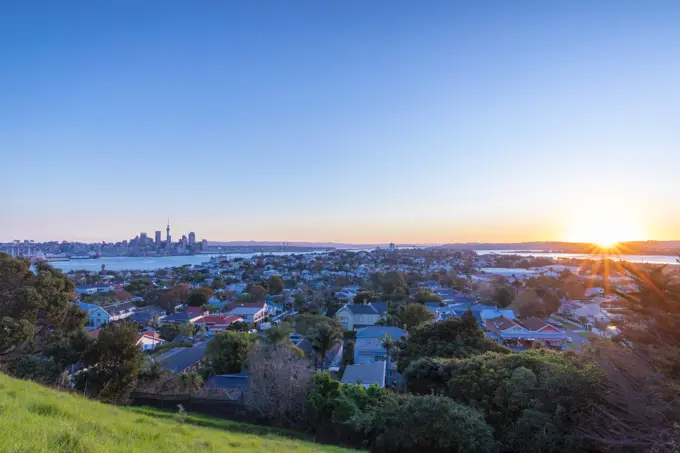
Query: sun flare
[{"x": 605, "y": 232}]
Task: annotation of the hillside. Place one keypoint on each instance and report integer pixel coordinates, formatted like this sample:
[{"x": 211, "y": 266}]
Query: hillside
[{"x": 37, "y": 419}]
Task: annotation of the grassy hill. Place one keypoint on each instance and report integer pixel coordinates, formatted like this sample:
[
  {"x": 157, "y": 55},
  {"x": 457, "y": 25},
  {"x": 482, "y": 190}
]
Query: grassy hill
[{"x": 37, "y": 419}]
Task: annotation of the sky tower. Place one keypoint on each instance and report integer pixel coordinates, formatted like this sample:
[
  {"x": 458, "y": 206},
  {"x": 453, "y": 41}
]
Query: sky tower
[{"x": 167, "y": 231}]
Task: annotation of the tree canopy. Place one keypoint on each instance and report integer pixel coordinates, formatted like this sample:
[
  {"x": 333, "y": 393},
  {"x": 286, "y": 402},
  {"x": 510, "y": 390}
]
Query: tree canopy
[
  {"x": 228, "y": 351},
  {"x": 35, "y": 308},
  {"x": 453, "y": 337}
]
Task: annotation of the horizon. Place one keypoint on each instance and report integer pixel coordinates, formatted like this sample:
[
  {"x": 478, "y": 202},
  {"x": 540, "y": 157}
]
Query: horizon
[{"x": 352, "y": 123}]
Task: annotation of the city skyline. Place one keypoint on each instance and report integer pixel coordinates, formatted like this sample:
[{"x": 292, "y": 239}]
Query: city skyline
[{"x": 353, "y": 122}]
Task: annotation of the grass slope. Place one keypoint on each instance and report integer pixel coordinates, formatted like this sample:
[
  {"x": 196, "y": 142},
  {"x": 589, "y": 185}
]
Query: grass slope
[{"x": 37, "y": 419}]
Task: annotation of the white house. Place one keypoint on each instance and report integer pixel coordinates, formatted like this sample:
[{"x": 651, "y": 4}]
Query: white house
[
  {"x": 357, "y": 316},
  {"x": 149, "y": 340},
  {"x": 251, "y": 312},
  {"x": 120, "y": 311}
]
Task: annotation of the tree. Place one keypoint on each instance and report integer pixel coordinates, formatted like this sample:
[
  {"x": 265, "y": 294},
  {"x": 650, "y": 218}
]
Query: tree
[
  {"x": 151, "y": 376},
  {"x": 304, "y": 322},
  {"x": 384, "y": 421},
  {"x": 431, "y": 423},
  {"x": 35, "y": 308},
  {"x": 278, "y": 334},
  {"x": 238, "y": 326},
  {"x": 171, "y": 330},
  {"x": 276, "y": 285},
  {"x": 453, "y": 337},
  {"x": 278, "y": 380},
  {"x": 527, "y": 304},
  {"x": 424, "y": 295},
  {"x": 217, "y": 283},
  {"x": 364, "y": 297},
  {"x": 258, "y": 292},
  {"x": 112, "y": 364},
  {"x": 197, "y": 299},
  {"x": 414, "y": 315},
  {"x": 651, "y": 318},
  {"x": 347, "y": 355},
  {"x": 188, "y": 382},
  {"x": 228, "y": 351},
  {"x": 503, "y": 297},
  {"x": 536, "y": 401},
  {"x": 323, "y": 337},
  {"x": 551, "y": 302},
  {"x": 394, "y": 282}
]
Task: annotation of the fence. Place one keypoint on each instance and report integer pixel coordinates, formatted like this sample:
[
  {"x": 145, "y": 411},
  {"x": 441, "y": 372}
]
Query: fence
[{"x": 223, "y": 407}]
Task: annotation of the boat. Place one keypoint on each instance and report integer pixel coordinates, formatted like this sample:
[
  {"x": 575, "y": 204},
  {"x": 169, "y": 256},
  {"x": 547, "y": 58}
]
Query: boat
[{"x": 57, "y": 257}]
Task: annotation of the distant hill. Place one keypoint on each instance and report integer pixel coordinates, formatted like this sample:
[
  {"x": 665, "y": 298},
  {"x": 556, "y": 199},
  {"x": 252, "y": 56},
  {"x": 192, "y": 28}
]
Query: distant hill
[
  {"x": 623, "y": 248},
  {"x": 40, "y": 420}
]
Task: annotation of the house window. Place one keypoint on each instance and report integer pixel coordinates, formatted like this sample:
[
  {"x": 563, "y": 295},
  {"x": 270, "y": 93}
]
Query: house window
[{"x": 379, "y": 358}]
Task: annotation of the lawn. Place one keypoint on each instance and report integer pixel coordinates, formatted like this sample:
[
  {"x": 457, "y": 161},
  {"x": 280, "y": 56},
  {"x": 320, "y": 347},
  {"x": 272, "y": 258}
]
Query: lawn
[{"x": 37, "y": 419}]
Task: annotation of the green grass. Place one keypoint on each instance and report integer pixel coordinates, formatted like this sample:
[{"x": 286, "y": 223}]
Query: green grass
[
  {"x": 37, "y": 419},
  {"x": 588, "y": 335}
]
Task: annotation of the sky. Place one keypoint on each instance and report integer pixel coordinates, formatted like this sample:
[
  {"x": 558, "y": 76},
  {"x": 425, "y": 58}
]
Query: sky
[{"x": 347, "y": 121}]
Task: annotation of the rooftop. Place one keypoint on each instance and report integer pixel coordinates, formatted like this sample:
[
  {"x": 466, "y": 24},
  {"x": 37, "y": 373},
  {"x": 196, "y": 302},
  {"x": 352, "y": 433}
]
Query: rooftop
[{"x": 365, "y": 374}]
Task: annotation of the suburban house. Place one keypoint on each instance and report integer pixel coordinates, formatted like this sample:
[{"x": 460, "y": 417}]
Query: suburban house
[
  {"x": 93, "y": 289},
  {"x": 366, "y": 374},
  {"x": 182, "y": 359},
  {"x": 120, "y": 311},
  {"x": 357, "y": 316},
  {"x": 176, "y": 317},
  {"x": 251, "y": 312},
  {"x": 144, "y": 316},
  {"x": 149, "y": 340},
  {"x": 96, "y": 315},
  {"x": 520, "y": 335},
  {"x": 214, "y": 323},
  {"x": 369, "y": 348}
]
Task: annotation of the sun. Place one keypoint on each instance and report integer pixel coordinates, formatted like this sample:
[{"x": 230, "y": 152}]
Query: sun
[{"x": 605, "y": 232}]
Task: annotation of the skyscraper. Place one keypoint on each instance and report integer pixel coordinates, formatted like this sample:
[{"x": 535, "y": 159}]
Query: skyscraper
[
  {"x": 168, "y": 239},
  {"x": 158, "y": 238},
  {"x": 192, "y": 238},
  {"x": 142, "y": 239}
]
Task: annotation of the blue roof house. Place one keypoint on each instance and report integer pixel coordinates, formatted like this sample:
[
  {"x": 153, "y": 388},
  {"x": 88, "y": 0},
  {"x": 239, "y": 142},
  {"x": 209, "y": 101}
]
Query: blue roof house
[{"x": 96, "y": 315}]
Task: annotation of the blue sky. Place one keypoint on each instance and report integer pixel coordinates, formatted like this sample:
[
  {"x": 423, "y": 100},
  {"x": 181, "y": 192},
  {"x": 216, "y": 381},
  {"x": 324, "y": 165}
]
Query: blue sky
[{"x": 348, "y": 121}]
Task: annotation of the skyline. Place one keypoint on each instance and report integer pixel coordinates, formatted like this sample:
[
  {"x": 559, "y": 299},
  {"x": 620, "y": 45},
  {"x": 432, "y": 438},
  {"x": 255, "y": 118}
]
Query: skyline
[{"x": 353, "y": 122}]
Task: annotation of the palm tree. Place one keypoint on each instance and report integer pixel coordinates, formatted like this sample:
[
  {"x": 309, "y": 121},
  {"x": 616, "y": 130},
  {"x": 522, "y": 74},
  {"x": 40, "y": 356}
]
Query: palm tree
[
  {"x": 154, "y": 328},
  {"x": 388, "y": 344},
  {"x": 188, "y": 382},
  {"x": 323, "y": 338}
]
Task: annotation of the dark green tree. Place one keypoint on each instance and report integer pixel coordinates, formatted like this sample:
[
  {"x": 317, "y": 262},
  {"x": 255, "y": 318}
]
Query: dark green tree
[
  {"x": 453, "y": 337},
  {"x": 414, "y": 315},
  {"x": 171, "y": 330},
  {"x": 323, "y": 337},
  {"x": 228, "y": 351},
  {"x": 197, "y": 299},
  {"x": 504, "y": 297},
  {"x": 276, "y": 285},
  {"x": 112, "y": 364},
  {"x": 35, "y": 307}
]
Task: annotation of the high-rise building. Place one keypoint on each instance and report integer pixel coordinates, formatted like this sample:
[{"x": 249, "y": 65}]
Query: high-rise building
[
  {"x": 142, "y": 239},
  {"x": 184, "y": 240},
  {"x": 158, "y": 238},
  {"x": 204, "y": 245},
  {"x": 168, "y": 239},
  {"x": 192, "y": 238}
]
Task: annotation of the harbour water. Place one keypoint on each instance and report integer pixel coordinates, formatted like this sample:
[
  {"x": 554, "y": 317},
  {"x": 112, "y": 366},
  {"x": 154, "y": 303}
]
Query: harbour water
[
  {"x": 651, "y": 259},
  {"x": 117, "y": 263},
  {"x": 145, "y": 263}
]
